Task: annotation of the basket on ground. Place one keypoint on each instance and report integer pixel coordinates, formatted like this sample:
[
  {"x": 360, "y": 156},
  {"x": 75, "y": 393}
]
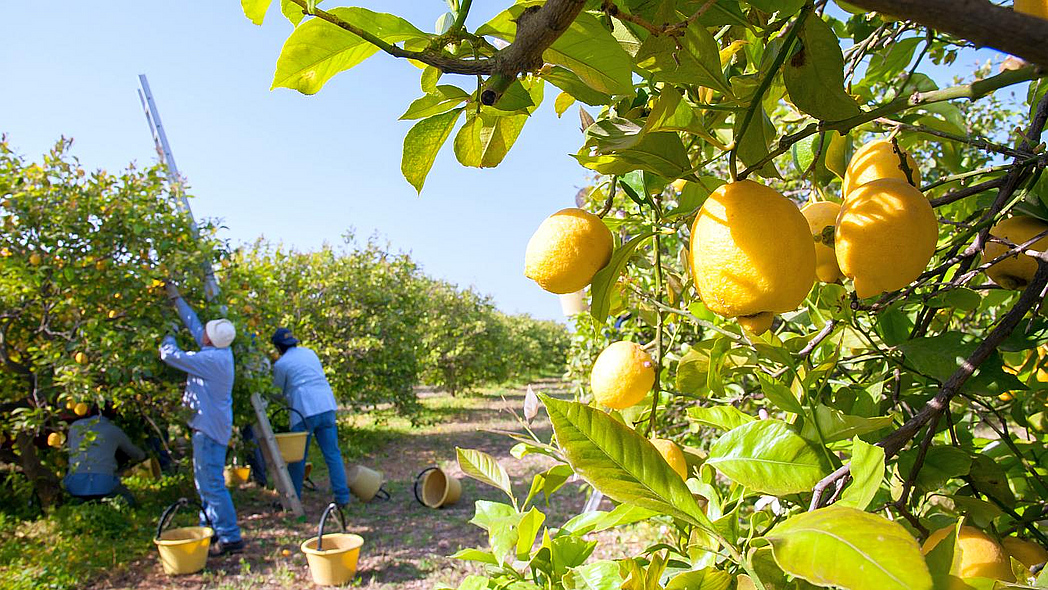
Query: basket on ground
[
  {"x": 182, "y": 550},
  {"x": 332, "y": 558}
]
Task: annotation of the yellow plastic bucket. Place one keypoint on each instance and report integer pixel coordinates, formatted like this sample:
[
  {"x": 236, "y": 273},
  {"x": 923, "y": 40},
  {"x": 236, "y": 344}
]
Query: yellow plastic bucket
[
  {"x": 439, "y": 489},
  {"x": 236, "y": 474},
  {"x": 184, "y": 550},
  {"x": 365, "y": 483},
  {"x": 292, "y": 446},
  {"x": 335, "y": 562},
  {"x": 148, "y": 469}
]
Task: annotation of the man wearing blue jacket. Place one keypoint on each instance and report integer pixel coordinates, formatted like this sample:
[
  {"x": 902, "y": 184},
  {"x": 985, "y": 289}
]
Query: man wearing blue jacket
[
  {"x": 209, "y": 394},
  {"x": 299, "y": 375}
]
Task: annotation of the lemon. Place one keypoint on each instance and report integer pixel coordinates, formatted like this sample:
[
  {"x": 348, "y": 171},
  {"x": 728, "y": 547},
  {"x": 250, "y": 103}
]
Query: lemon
[
  {"x": 622, "y": 375},
  {"x": 80, "y": 358},
  {"x": 568, "y": 248},
  {"x": 820, "y": 216},
  {"x": 55, "y": 439},
  {"x": 975, "y": 554},
  {"x": 35, "y": 259},
  {"x": 879, "y": 159},
  {"x": 752, "y": 255},
  {"x": 836, "y": 154},
  {"x": 1026, "y": 552},
  {"x": 679, "y": 184},
  {"x": 1016, "y": 271},
  {"x": 1038, "y": 8},
  {"x": 886, "y": 234},
  {"x": 673, "y": 455},
  {"x": 80, "y": 409}
]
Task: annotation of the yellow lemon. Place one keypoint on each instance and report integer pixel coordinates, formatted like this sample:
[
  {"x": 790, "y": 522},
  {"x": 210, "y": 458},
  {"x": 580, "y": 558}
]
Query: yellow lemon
[
  {"x": 1026, "y": 552},
  {"x": 822, "y": 220},
  {"x": 886, "y": 234},
  {"x": 70, "y": 404},
  {"x": 976, "y": 554},
  {"x": 879, "y": 159},
  {"x": 622, "y": 375},
  {"x": 80, "y": 358},
  {"x": 1016, "y": 271},
  {"x": 568, "y": 248},
  {"x": 752, "y": 255},
  {"x": 55, "y": 439},
  {"x": 112, "y": 314},
  {"x": 673, "y": 455},
  {"x": 1038, "y": 8},
  {"x": 35, "y": 259},
  {"x": 679, "y": 184},
  {"x": 80, "y": 409}
]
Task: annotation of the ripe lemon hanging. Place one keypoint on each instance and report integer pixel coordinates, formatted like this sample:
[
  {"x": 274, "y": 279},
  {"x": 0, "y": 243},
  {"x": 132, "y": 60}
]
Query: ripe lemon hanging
[
  {"x": 1016, "y": 271},
  {"x": 976, "y": 554},
  {"x": 879, "y": 159},
  {"x": 886, "y": 234},
  {"x": 1038, "y": 8},
  {"x": 80, "y": 358},
  {"x": 55, "y": 439},
  {"x": 81, "y": 409},
  {"x": 622, "y": 375},
  {"x": 568, "y": 248},
  {"x": 752, "y": 255},
  {"x": 822, "y": 221},
  {"x": 673, "y": 455},
  {"x": 1026, "y": 552}
]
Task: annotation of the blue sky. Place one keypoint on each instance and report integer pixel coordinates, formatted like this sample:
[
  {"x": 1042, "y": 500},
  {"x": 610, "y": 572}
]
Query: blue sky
[{"x": 293, "y": 168}]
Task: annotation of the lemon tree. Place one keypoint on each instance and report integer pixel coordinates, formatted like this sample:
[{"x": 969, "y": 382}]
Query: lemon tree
[{"x": 841, "y": 380}]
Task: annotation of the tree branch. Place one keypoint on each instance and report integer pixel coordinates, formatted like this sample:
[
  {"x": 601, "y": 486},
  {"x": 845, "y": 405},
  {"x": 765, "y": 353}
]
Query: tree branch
[{"x": 978, "y": 21}]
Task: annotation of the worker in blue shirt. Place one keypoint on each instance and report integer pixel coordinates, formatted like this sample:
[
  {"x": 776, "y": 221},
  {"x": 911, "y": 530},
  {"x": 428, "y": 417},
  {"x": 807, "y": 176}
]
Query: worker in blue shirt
[
  {"x": 93, "y": 445},
  {"x": 209, "y": 394},
  {"x": 299, "y": 375}
]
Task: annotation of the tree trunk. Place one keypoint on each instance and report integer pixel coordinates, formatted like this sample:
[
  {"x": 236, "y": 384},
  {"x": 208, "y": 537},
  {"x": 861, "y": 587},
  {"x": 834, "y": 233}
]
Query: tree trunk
[{"x": 47, "y": 486}]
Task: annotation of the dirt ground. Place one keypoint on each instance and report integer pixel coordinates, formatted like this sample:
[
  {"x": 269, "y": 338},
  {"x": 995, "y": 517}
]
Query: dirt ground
[{"x": 405, "y": 543}]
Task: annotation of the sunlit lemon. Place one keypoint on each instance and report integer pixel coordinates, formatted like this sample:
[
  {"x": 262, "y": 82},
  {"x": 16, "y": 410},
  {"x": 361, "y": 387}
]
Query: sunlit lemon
[
  {"x": 568, "y": 248},
  {"x": 673, "y": 455},
  {"x": 752, "y": 254},
  {"x": 622, "y": 375},
  {"x": 876, "y": 160},
  {"x": 886, "y": 234},
  {"x": 822, "y": 221},
  {"x": 976, "y": 554},
  {"x": 1026, "y": 552},
  {"x": 1017, "y": 270}
]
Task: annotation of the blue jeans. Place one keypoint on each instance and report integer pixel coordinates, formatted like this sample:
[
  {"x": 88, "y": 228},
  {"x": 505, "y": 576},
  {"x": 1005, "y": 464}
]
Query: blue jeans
[
  {"x": 209, "y": 459},
  {"x": 323, "y": 427}
]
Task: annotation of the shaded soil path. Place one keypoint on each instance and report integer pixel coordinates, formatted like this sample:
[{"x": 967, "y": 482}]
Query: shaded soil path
[{"x": 406, "y": 544}]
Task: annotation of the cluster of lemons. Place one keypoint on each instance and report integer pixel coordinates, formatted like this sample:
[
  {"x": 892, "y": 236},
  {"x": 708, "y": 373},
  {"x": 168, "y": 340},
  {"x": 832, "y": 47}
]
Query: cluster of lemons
[{"x": 978, "y": 555}]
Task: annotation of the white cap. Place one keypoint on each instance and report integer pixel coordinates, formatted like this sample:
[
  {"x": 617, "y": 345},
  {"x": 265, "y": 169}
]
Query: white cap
[{"x": 221, "y": 332}]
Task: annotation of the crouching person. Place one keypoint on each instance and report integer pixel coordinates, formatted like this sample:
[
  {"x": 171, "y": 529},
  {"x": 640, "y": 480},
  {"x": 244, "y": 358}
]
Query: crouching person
[
  {"x": 93, "y": 443},
  {"x": 209, "y": 394}
]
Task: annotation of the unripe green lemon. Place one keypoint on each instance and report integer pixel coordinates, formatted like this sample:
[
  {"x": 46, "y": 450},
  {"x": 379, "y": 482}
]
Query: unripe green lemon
[
  {"x": 568, "y": 248},
  {"x": 622, "y": 375}
]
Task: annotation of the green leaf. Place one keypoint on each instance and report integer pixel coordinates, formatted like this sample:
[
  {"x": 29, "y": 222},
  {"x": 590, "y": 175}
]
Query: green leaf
[
  {"x": 441, "y": 100},
  {"x": 941, "y": 464},
  {"x": 783, "y": 7},
  {"x": 475, "y": 555},
  {"x": 569, "y": 82},
  {"x": 529, "y": 526},
  {"x": 939, "y": 356},
  {"x": 488, "y": 513},
  {"x": 697, "y": 61},
  {"x": 766, "y": 456},
  {"x": 886, "y": 64},
  {"x": 612, "y": 134},
  {"x": 563, "y": 103},
  {"x": 293, "y": 12},
  {"x": 569, "y": 551},
  {"x": 422, "y": 143},
  {"x": 484, "y": 468},
  {"x": 835, "y": 425},
  {"x": 814, "y": 75},
  {"x": 779, "y": 394},
  {"x": 894, "y": 325},
  {"x": 620, "y": 463},
  {"x": 485, "y": 140},
  {"x": 753, "y": 145},
  {"x": 661, "y": 153},
  {"x": 317, "y": 50},
  {"x": 605, "y": 279},
  {"x": 990, "y": 479},
  {"x": 722, "y": 417},
  {"x": 704, "y": 579},
  {"x": 255, "y": 10},
  {"x": 589, "y": 50},
  {"x": 599, "y": 575},
  {"x": 867, "y": 471},
  {"x": 849, "y": 548},
  {"x": 597, "y": 521}
]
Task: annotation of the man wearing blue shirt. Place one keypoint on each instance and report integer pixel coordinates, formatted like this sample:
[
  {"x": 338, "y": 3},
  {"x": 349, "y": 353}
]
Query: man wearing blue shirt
[
  {"x": 209, "y": 394},
  {"x": 299, "y": 375},
  {"x": 93, "y": 444}
]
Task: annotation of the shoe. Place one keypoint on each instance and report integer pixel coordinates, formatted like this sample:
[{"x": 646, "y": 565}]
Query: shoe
[{"x": 225, "y": 547}]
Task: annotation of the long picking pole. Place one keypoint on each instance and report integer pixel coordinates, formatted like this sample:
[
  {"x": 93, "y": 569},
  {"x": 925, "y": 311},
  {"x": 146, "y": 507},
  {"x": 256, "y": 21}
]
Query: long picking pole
[{"x": 163, "y": 150}]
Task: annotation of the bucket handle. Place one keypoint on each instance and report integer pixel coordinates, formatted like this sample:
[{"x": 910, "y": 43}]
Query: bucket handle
[
  {"x": 169, "y": 513},
  {"x": 382, "y": 494},
  {"x": 323, "y": 519},
  {"x": 418, "y": 479},
  {"x": 283, "y": 406}
]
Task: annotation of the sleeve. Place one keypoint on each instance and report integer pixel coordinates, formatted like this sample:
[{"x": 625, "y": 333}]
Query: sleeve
[
  {"x": 124, "y": 444},
  {"x": 280, "y": 378},
  {"x": 194, "y": 363},
  {"x": 191, "y": 321}
]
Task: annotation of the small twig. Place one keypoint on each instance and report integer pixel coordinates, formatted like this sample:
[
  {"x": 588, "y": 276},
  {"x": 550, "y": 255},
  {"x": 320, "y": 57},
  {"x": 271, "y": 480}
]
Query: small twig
[
  {"x": 611, "y": 197},
  {"x": 964, "y": 193},
  {"x": 977, "y": 142},
  {"x": 815, "y": 342}
]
